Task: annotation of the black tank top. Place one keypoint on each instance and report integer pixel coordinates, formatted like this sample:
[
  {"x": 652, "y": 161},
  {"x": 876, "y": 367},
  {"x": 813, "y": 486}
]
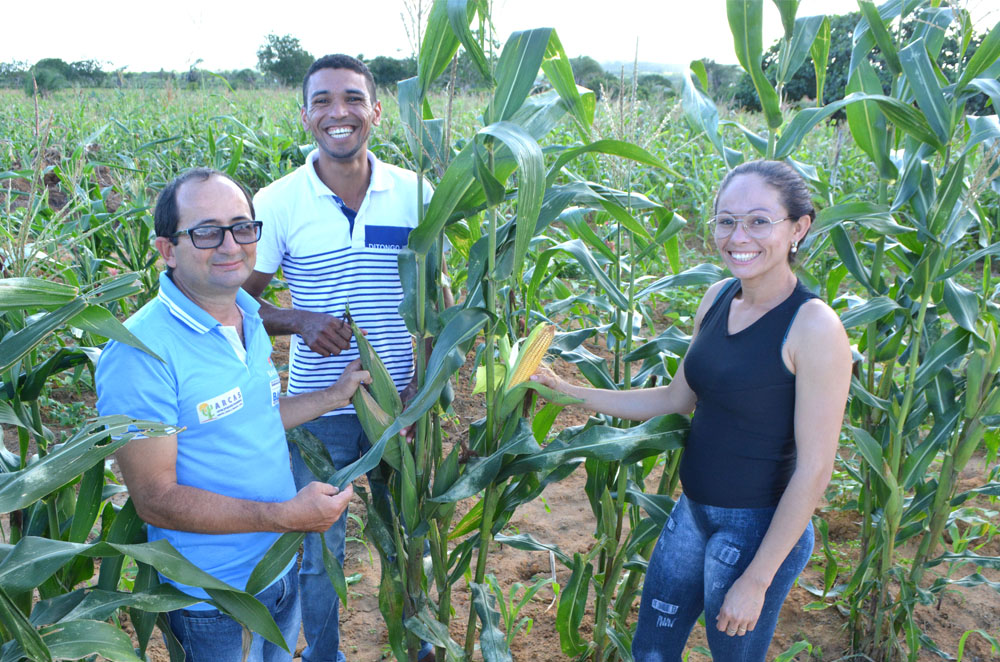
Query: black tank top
[{"x": 741, "y": 449}]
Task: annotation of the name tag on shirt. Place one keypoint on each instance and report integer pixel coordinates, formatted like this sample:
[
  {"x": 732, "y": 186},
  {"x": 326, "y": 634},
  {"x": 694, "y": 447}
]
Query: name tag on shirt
[
  {"x": 275, "y": 382},
  {"x": 220, "y": 406},
  {"x": 386, "y": 237},
  {"x": 275, "y": 391}
]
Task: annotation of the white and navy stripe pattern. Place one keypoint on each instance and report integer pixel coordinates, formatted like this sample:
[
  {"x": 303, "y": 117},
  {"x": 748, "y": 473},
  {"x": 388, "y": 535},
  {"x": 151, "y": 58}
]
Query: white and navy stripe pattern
[
  {"x": 330, "y": 264},
  {"x": 368, "y": 283}
]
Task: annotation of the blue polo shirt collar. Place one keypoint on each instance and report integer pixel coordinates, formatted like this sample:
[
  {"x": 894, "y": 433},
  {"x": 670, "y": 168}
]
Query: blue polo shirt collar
[{"x": 191, "y": 314}]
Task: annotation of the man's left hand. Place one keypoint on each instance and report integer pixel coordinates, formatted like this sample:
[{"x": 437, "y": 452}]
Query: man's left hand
[{"x": 343, "y": 389}]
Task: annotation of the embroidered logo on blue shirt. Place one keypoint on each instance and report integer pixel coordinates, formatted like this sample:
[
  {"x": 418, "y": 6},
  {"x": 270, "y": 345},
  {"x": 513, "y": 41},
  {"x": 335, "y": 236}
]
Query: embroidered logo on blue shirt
[
  {"x": 386, "y": 237},
  {"x": 221, "y": 405}
]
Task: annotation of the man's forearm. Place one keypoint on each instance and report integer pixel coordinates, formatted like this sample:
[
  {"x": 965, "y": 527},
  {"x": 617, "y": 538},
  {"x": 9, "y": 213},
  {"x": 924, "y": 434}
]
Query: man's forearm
[
  {"x": 303, "y": 407},
  {"x": 278, "y": 321},
  {"x": 187, "y": 508}
]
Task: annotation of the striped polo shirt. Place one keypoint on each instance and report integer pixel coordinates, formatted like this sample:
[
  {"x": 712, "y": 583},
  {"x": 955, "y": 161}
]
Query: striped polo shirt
[{"x": 329, "y": 266}]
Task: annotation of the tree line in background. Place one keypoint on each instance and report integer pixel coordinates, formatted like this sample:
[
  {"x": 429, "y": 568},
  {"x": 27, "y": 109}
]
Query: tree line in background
[{"x": 282, "y": 61}]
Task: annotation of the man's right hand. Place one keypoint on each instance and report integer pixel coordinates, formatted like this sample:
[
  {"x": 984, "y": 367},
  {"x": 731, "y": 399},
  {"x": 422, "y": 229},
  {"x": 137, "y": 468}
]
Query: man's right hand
[
  {"x": 325, "y": 334},
  {"x": 316, "y": 507}
]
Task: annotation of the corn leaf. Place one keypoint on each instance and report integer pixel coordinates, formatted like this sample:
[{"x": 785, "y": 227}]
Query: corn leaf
[
  {"x": 604, "y": 146},
  {"x": 277, "y": 558},
  {"x": 88, "y": 503},
  {"x": 787, "y": 10},
  {"x": 334, "y": 571},
  {"x": 383, "y": 387},
  {"x": 531, "y": 184},
  {"x": 984, "y": 57},
  {"x": 606, "y": 444},
  {"x": 879, "y": 33},
  {"x": 74, "y": 640},
  {"x": 439, "y": 45},
  {"x": 580, "y": 101},
  {"x": 102, "y": 323},
  {"x": 20, "y": 489},
  {"x": 31, "y": 293},
  {"x": 460, "y": 13},
  {"x": 820, "y": 53},
  {"x": 427, "y": 626},
  {"x": 868, "y": 312},
  {"x": 26, "y": 640},
  {"x": 948, "y": 348},
  {"x": 845, "y": 249},
  {"x": 527, "y": 542},
  {"x": 803, "y": 35},
  {"x": 946, "y": 208},
  {"x": 962, "y": 303},
  {"x": 516, "y": 71},
  {"x": 703, "y": 116},
  {"x": 572, "y": 604},
  {"x": 424, "y": 136},
  {"x": 924, "y": 84},
  {"x": 801, "y": 125},
  {"x": 702, "y": 274},
  {"x": 16, "y": 345},
  {"x": 992, "y": 249},
  {"x": 746, "y": 23},
  {"x": 100, "y": 605},
  {"x": 480, "y": 472},
  {"x": 456, "y": 182},
  {"x": 866, "y": 122},
  {"x": 313, "y": 452},
  {"x": 981, "y": 129},
  {"x": 492, "y": 642}
]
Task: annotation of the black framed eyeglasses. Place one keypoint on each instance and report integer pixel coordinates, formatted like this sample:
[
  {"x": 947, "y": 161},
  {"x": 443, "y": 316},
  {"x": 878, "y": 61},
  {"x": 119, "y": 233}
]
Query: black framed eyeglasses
[
  {"x": 212, "y": 236},
  {"x": 757, "y": 226}
]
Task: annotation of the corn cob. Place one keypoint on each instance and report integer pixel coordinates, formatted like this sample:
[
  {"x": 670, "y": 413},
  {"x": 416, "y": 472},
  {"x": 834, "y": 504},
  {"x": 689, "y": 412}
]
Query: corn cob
[
  {"x": 530, "y": 356},
  {"x": 375, "y": 420},
  {"x": 975, "y": 372},
  {"x": 383, "y": 388}
]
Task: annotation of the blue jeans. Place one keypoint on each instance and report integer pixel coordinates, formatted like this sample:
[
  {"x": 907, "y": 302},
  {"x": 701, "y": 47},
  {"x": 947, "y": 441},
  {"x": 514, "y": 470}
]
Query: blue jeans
[
  {"x": 211, "y": 636},
  {"x": 701, "y": 552}
]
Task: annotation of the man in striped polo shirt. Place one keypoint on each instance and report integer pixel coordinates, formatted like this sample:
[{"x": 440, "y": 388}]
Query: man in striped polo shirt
[{"x": 335, "y": 227}]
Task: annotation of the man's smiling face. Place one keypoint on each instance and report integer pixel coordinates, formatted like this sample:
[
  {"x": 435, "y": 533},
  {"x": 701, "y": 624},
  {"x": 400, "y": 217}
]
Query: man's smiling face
[{"x": 339, "y": 112}]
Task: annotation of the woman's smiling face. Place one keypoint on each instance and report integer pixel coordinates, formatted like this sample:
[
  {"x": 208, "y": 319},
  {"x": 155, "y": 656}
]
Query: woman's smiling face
[{"x": 744, "y": 197}]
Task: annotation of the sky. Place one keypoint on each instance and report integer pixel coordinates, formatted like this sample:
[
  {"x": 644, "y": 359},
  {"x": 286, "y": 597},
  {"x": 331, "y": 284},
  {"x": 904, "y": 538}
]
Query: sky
[{"x": 226, "y": 35}]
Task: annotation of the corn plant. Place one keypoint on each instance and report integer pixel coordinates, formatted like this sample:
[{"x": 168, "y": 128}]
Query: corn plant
[
  {"x": 925, "y": 396},
  {"x": 508, "y": 464},
  {"x": 58, "y": 491}
]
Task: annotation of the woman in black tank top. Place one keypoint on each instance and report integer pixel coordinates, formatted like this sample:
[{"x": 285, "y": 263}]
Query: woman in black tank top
[{"x": 766, "y": 375}]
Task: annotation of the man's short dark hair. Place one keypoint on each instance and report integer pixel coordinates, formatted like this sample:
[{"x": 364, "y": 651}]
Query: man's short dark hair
[
  {"x": 339, "y": 61},
  {"x": 167, "y": 215}
]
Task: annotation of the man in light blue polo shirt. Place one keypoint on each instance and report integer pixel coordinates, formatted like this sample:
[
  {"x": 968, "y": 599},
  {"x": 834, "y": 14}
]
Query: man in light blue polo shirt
[{"x": 220, "y": 489}]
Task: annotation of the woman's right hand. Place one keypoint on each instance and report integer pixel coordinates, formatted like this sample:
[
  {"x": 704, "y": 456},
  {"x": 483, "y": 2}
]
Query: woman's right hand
[{"x": 546, "y": 377}]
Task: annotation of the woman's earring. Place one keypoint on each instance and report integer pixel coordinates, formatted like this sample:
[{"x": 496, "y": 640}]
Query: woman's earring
[{"x": 795, "y": 247}]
